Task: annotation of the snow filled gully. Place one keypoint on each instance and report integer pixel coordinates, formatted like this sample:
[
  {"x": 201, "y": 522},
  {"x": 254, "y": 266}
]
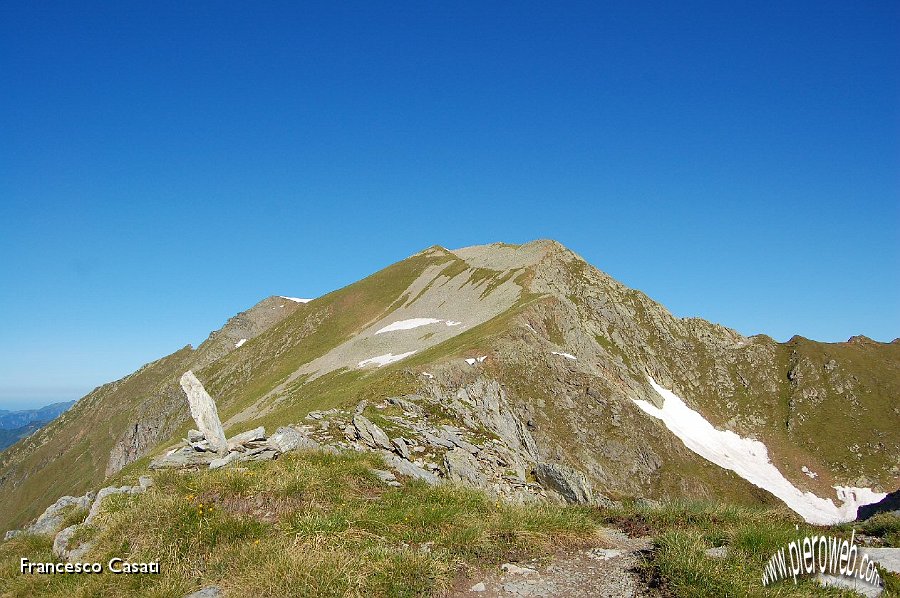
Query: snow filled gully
[{"x": 750, "y": 459}]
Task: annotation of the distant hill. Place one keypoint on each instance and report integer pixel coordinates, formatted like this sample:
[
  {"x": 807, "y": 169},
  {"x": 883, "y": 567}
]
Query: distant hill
[{"x": 15, "y": 425}]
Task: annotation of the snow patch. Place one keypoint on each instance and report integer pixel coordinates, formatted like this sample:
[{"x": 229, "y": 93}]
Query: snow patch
[
  {"x": 240, "y": 343},
  {"x": 809, "y": 472},
  {"x": 408, "y": 324},
  {"x": 415, "y": 323},
  {"x": 750, "y": 459},
  {"x": 384, "y": 359},
  {"x": 427, "y": 375},
  {"x": 295, "y": 299},
  {"x": 474, "y": 360},
  {"x": 566, "y": 355}
]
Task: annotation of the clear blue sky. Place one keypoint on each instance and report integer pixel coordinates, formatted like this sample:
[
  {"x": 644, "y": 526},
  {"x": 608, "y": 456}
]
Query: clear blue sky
[{"x": 164, "y": 165}]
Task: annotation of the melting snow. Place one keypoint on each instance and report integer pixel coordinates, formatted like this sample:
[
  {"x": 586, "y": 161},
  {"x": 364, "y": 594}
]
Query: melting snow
[
  {"x": 808, "y": 472},
  {"x": 427, "y": 375},
  {"x": 474, "y": 360},
  {"x": 750, "y": 459},
  {"x": 415, "y": 323},
  {"x": 295, "y": 299},
  {"x": 240, "y": 343},
  {"x": 566, "y": 355},
  {"x": 384, "y": 359},
  {"x": 408, "y": 324}
]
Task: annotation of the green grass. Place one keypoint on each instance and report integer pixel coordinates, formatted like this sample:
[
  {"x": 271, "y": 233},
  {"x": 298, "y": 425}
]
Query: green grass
[
  {"x": 684, "y": 530},
  {"x": 308, "y": 524}
]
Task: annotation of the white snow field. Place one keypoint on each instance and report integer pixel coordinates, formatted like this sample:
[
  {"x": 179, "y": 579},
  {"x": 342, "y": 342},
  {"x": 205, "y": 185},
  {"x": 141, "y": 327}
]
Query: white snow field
[
  {"x": 750, "y": 459},
  {"x": 240, "y": 343},
  {"x": 415, "y": 323},
  {"x": 295, "y": 299},
  {"x": 566, "y": 355},
  {"x": 384, "y": 359}
]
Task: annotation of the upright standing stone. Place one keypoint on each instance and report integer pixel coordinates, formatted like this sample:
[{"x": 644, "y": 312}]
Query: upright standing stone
[{"x": 204, "y": 412}]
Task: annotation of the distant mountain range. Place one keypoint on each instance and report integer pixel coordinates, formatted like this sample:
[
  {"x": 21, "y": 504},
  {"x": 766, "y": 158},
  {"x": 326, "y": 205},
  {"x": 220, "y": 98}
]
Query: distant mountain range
[{"x": 15, "y": 425}]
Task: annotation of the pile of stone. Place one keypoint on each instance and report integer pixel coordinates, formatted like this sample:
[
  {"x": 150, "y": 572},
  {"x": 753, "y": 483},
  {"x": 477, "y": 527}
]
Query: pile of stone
[{"x": 253, "y": 445}]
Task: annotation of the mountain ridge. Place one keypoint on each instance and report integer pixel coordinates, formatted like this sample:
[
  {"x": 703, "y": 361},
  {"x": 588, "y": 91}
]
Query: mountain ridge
[{"x": 521, "y": 307}]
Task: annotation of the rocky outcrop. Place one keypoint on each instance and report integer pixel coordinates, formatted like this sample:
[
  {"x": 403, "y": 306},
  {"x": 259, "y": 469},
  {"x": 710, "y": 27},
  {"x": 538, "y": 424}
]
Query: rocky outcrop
[
  {"x": 53, "y": 516},
  {"x": 462, "y": 467},
  {"x": 569, "y": 483}
]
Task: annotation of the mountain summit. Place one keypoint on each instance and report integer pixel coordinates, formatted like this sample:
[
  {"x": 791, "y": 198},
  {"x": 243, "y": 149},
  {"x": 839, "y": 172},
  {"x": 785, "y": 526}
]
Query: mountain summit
[{"x": 549, "y": 358}]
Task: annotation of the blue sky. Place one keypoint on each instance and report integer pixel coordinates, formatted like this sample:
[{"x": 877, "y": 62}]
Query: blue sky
[{"x": 165, "y": 165}]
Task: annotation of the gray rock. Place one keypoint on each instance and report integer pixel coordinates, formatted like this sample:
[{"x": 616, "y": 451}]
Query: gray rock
[
  {"x": 360, "y": 408},
  {"x": 194, "y": 436},
  {"x": 370, "y": 433},
  {"x": 52, "y": 517},
  {"x": 462, "y": 467},
  {"x": 61, "y": 546},
  {"x": 718, "y": 552},
  {"x": 410, "y": 469},
  {"x": 386, "y": 477},
  {"x": 208, "y": 592},
  {"x": 407, "y": 405},
  {"x": 223, "y": 461},
  {"x": 436, "y": 440},
  {"x": 103, "y": 493},
  {"x": 145, "y": 481},
  {"x": 288, "y": 439},
  {"x": 256, "y": 434},
  {"x": 9, "y": 535},
  {"x": 400, "y": 444},
  {"x": 204, "y": 412},
  {"x": 263, "y": 453},
  {"x": 185, "y": 457},
  {"x": 571, "y": 484}
]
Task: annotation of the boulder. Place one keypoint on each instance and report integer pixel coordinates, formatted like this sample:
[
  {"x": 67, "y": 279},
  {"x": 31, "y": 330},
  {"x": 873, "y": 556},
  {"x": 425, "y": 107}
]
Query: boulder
[
  {"x": 185, "y": 457},
  {"x": 410, "y": 469},
  {"x": 400, "y": 445},
  {"x": 61, "y": 546},
  {"x": 53, "y": 516},
  {"x": 257, "y": 434},
  {"x": 370, "y": 433},
  {"x": 288, "y": 439},
  {"x": 204, "y": 412},
  {"x": 570, "y": 483},
  {"x": 462, "y": 467}
]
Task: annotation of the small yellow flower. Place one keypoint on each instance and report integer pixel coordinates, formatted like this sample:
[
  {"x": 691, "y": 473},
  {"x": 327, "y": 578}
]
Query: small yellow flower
[{"x": 256, "y": 542}]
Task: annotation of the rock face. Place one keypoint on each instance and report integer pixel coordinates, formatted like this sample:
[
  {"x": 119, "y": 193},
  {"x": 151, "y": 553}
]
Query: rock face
[
  {"x": 567, "y": 482},
  {"x": 287, "y": 439},
  {"x": 53, "y": 516},
  {"x": 370, "y": 433},
  {"x": 462, "y": 467},
  {"x": 204, "y": 412}
]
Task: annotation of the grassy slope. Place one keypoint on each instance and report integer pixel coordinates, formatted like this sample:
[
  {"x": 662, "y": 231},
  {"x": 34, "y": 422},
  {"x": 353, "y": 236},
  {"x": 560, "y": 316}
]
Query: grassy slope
[
  {"x": 69, "y": 455},
  {"x": 309, "y": 524},
  {"x": 315, "y": 524}
]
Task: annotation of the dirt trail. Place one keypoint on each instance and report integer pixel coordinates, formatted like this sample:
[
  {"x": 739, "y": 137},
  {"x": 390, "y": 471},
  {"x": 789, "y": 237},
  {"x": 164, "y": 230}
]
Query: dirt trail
[{"x": 608, "y": 570}]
